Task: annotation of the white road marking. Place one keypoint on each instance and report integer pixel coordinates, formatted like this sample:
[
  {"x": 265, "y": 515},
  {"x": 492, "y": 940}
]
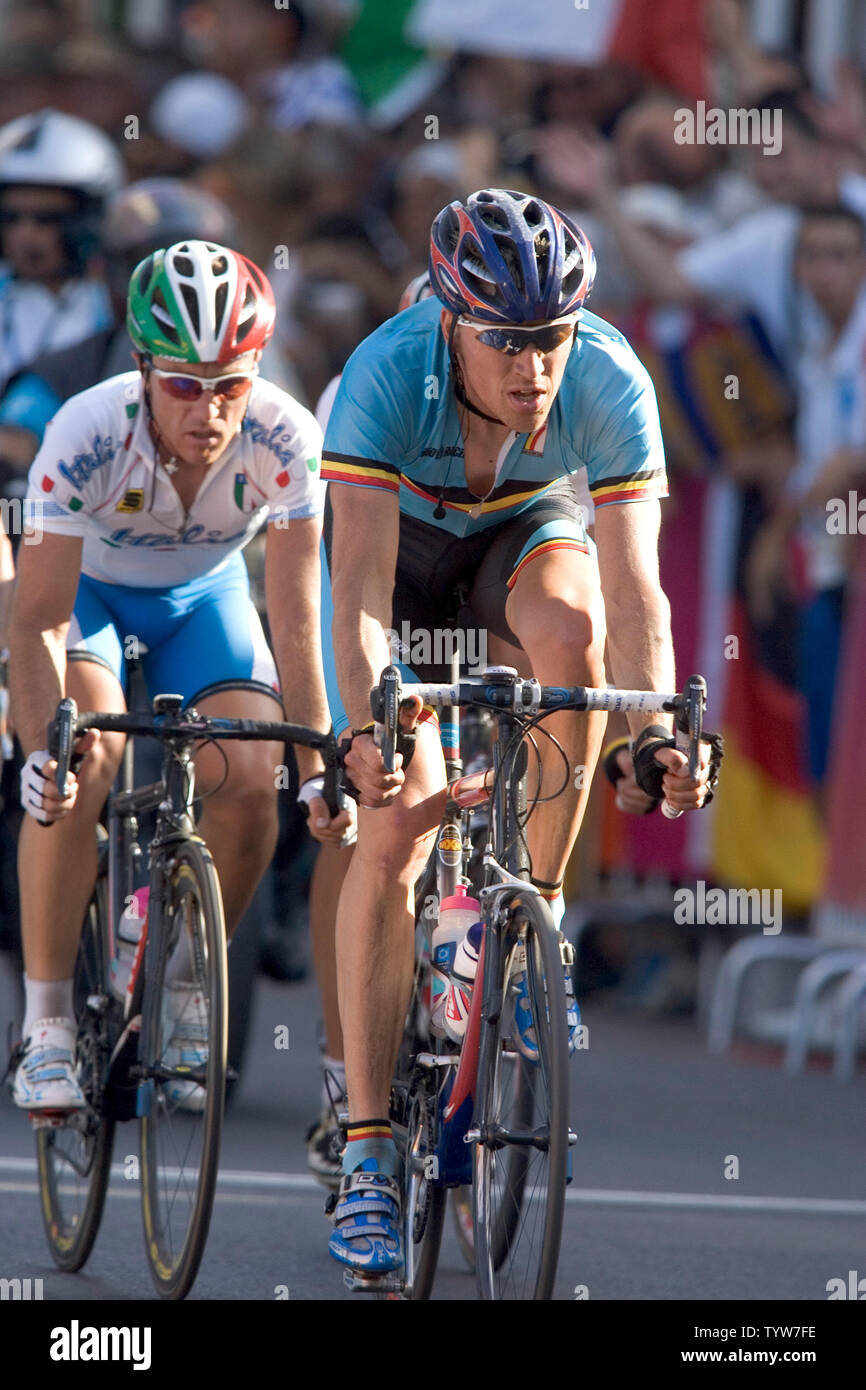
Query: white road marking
[{"x": 252, "y": 1181}]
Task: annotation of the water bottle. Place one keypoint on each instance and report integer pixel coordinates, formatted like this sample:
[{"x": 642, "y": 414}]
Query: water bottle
[
  {"x": 456, "y": 915},
  {"x": 127, "y": 938},
  {"x": 457, "y": 1004}
]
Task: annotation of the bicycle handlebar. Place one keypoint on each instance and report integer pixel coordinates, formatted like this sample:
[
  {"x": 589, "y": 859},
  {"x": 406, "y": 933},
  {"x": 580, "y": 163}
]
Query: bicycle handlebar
[
  {"x": 502, "y": 689},
  {"x": 69, "y": 724}
]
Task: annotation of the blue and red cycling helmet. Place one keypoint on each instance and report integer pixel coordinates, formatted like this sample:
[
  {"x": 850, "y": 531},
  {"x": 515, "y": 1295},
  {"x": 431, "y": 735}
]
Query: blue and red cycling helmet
[{"x": 506, "y": 257}]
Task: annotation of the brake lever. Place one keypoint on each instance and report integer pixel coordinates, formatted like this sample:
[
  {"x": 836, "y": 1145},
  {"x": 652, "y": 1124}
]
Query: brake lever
[
  {"x": 61, "y": 736},
  {"x": 386, "y": 710},
  {"x": 688, "y": 727}
]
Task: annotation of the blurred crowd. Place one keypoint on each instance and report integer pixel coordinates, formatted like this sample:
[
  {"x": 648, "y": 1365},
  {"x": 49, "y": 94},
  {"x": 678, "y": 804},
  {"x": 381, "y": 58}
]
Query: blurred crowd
[{"x": 321, "y": 137}]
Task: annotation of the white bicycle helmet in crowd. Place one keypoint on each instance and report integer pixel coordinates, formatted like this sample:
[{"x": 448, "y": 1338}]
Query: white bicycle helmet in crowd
[{"x": 52, "y": 150}]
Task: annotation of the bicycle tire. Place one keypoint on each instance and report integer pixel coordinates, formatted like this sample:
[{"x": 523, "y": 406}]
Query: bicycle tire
[
  {"x": 424, "y": 1202},
  {"x": 74, "y": 1159},
  {"x": 515, "y": 1180},
  {"x": 518, "y": 1158},
  {"x": 523, "y": 1266},
  {"x": 180, "y": 1145}
]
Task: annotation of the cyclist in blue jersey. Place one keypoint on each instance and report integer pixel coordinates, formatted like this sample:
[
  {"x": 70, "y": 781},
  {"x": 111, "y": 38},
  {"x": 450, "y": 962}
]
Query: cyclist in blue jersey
[
  {"x": 144, "y": 492},
  {"x": 448, "y": 451}
]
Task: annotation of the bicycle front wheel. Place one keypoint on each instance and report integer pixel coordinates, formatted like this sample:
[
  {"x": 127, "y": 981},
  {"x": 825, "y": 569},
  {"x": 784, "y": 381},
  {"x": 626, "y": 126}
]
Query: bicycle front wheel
[
  {"x": 184, "y": 1070},
  {"x": 74, "y": 1157},
  {"x": 521, "y": 1154}
]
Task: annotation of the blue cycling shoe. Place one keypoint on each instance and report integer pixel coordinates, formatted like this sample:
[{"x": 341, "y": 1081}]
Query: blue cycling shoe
[
  {"x": 526, "y": 1041},
  {"x": 367, "y": 1226}
]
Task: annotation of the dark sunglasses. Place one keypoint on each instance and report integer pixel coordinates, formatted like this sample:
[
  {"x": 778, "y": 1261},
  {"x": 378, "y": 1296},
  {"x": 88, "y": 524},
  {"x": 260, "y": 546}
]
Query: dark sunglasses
[
  {"x": 9, "y": 217},
  {"x": 184, "y": 387},
  {"x": 512, "y": 340}
]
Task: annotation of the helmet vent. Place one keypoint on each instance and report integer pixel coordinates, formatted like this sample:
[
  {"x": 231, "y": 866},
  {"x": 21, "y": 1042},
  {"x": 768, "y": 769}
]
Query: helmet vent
[
  {"x": 475, "y": 268},
  {"x": 248, "y": 309},
  {"x": 161, "y": 313},
  {"x": 220, "y": 304},
  {"x": 573, "y": 267},
  {"x": 183, "y": 265},
  {"x": 190, "y": 299},
  {"x": 450, "y": 229},
  {"x": 219, "y": 265},
  {"x": 493, "y": 217},
  {"x": 541, "y": 246},
  {"x": 512, "y": 261},
  {"x": 146, "y": 275},
  {"x": 533, "y": 215}
]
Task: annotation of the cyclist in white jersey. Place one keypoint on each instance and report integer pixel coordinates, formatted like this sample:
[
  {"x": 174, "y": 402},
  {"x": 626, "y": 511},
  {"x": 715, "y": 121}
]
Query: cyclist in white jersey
[{"x": 146, "y": 488}]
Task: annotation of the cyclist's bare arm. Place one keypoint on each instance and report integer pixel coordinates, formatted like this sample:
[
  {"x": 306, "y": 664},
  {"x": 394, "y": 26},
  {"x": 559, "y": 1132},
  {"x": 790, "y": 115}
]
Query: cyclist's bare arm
[
  {"x": 47, "y": 582},
  {"x": 292, "y": 589},
  {"x": 638, "y": 613},
  {"x": 364, "y": 562},
  {"x": 639, "y": 627}
]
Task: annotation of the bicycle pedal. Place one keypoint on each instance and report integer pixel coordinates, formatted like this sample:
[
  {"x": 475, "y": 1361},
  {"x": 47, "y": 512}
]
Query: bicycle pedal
[{"x": 373, "y": 1283}]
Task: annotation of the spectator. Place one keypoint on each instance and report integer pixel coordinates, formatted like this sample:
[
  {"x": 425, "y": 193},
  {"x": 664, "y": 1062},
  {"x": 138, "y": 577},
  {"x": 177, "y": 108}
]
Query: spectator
[
  {"x": 830, "y": 265},
  {"x": 746, "y": 265},
  {"x": 56, "y": 173},
  {"x": 141, "y": 218},
  {"x": 261, "y": 50}
]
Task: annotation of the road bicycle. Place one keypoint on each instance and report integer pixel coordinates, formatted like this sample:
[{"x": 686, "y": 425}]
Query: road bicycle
[
  {"x": 127, "y": 1067},
  {"x": 494, "y": 1111}
]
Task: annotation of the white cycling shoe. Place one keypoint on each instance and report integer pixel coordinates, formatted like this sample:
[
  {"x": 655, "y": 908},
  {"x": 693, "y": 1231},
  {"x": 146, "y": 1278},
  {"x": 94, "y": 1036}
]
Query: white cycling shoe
[
  {"x": 45, "y": 1072},
  {"x": 186, "y": 1032}
]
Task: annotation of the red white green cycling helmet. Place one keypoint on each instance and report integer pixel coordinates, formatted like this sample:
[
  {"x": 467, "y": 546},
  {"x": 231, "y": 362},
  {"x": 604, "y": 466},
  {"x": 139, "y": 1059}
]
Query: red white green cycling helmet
[
  {"x": 508, "y": 257},
  {"x": 199, "y": 302}
]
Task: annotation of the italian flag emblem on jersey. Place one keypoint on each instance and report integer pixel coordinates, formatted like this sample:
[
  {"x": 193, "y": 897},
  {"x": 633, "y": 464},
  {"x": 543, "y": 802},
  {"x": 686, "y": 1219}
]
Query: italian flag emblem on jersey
[{"x": 240, "y": 482}]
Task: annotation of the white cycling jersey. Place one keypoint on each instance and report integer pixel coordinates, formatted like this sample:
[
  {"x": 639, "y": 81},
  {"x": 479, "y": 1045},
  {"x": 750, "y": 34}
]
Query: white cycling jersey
[{"x": 96, "y": 476}]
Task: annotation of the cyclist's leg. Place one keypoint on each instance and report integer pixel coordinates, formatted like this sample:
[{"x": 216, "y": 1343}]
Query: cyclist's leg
[
  {"x": 57, "y": 866},
  {"x": 541, "y": 577},
  {"x": 375, "y": 926},
  {"x": 239, "y": 813},
  {"x": 375, "y": 962},
  {"x": 329, "y": 873},
  {"x": 205, "y": 641}
]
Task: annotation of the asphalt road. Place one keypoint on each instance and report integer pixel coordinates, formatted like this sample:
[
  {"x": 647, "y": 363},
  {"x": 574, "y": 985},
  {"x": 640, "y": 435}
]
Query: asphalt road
[{"x": 650, "y": 1214}]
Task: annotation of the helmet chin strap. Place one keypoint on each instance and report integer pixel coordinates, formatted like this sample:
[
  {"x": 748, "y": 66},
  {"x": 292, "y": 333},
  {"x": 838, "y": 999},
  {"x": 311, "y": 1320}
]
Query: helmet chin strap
[{"x": 460, "y": 381}]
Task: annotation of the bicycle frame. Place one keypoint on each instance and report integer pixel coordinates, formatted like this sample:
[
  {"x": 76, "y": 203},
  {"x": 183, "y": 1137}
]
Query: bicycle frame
[{"x": 172, "y": 797}]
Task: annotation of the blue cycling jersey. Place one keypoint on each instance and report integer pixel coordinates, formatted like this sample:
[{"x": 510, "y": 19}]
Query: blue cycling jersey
[{"x": 394, "y": 426}]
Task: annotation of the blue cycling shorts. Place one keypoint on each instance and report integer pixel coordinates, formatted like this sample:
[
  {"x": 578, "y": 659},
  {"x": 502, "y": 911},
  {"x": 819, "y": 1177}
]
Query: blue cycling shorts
[{"x": 189, "y": 637}]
